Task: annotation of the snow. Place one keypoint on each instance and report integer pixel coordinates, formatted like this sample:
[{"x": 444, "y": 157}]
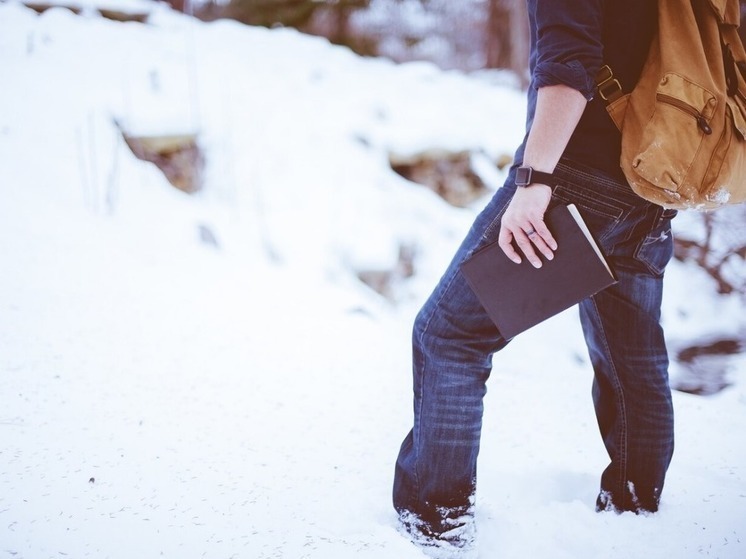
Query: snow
[{"x": 167, "y": 397}]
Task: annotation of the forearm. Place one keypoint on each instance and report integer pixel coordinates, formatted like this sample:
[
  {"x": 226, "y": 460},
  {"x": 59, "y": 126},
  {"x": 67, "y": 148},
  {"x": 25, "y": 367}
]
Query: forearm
[{"x": 558, "y": 110}]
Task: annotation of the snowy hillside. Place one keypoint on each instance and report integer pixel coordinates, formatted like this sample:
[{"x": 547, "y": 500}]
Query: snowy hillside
[{"x": 205, "y": 376}]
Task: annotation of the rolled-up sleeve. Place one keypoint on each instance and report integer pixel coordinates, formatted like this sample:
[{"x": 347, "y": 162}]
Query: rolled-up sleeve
[{"x": 568, "y": 43}]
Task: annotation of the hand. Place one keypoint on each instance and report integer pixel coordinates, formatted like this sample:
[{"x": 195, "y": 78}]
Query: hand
[{"x": 523, "y": 222}]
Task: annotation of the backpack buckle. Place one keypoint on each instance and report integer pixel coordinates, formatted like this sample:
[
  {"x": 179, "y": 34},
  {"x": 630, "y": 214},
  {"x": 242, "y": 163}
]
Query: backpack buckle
[{"x": 608, "y": 86}]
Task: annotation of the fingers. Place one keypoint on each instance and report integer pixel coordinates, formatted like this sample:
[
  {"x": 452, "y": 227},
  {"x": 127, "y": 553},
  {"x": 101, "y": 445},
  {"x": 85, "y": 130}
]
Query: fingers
[
  {"x": 542, "y": 238},
  {"x": 526, "y": 243},
  {"x": 523, "y": 225},
  {"x": 529, "y": 238},
  {"x": 505, "y": 240}
]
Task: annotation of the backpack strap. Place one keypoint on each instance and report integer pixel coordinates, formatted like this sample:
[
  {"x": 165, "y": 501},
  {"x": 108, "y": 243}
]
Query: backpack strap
[
  {"x": 608, "y": 87},
  {"x": 731, "y": 69},
  {"x": 612, "y": 96}
]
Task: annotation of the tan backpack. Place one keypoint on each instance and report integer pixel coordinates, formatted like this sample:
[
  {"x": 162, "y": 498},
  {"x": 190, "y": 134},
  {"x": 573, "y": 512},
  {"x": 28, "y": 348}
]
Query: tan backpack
[{"x": 684, "y": 124}]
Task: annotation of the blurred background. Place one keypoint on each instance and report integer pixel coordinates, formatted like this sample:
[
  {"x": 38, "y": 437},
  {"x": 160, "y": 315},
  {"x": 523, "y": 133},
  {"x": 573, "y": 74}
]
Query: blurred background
[
  {"x": 484, "y": 39},
  {"x": 217, "y": 223}
]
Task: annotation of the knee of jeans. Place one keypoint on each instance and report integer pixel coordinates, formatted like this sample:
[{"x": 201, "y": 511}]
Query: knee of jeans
[
  {"x": 423, "y": 337},
  {"x": 429, "y": 337},
  {"x": 419, "y": 326},
  {"x": 436, "y": 339}
]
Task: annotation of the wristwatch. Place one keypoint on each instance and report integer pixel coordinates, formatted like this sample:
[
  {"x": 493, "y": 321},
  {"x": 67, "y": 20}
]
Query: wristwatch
[{"x": 526, "y": 176}]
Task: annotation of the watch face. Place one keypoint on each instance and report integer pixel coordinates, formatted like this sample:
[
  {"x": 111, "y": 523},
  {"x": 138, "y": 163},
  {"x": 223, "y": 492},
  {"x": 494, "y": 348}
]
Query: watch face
[{"x": 523, "y": 176}]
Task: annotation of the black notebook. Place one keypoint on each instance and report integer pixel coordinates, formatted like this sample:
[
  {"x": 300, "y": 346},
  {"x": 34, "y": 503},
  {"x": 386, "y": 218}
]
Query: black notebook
[{"x": 519, "y": 296}]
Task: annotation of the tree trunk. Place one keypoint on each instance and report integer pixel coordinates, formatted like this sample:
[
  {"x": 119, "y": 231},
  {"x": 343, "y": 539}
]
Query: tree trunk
[
  {"x": 507, "y": 37},
  {"x": 340, "y": 26}
]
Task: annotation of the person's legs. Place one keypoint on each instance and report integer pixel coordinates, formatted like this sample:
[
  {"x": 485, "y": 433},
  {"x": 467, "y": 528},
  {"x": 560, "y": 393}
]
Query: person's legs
[
  {"x": 631, "y": 391},
  {"x": 453, "y": 342},
  {"x": 621, "y": 324}
]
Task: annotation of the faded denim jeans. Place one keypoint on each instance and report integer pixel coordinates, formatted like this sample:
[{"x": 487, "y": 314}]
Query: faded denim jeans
[{"x": 454, "y": 342}]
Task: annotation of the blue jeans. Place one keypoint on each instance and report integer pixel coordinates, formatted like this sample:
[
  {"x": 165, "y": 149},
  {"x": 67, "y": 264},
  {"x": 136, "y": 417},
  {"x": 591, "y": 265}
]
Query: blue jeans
[{"x": 454, "y": 342}]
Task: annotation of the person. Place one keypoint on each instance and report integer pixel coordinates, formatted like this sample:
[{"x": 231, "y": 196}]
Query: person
[{"x": 571, "y": 137}]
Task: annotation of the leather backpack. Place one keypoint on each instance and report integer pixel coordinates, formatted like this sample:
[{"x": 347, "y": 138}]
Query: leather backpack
[{"x": 683, "y": 125}]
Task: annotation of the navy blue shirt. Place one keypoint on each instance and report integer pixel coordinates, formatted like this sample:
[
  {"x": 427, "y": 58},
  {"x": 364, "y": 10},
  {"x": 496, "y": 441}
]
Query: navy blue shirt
[{"x": 570, "y": 41}]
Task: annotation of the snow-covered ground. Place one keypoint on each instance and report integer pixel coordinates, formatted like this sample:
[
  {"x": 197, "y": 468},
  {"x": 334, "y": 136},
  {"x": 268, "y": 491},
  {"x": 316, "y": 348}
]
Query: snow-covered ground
[{"x": 163, "y": 396}]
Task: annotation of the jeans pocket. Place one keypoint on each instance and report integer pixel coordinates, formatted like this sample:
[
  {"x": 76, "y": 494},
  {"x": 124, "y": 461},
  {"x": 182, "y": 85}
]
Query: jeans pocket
[
  {"x": 656, "y": 248},
  {"x": 604, "y": 206},
  {"x": 601, "y": 216}
]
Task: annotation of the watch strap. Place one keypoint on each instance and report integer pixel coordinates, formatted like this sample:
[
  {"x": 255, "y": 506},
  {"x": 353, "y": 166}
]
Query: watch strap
[
  {"x": 532, "y": 176},
  {"x": 541, "y": 177}
]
